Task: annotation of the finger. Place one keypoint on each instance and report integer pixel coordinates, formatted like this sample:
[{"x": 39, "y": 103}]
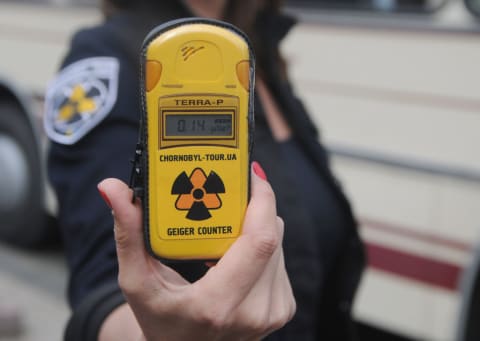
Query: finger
[
  {"x": 270, "y": 304},
  {"x": 241, "y": 266},
  {"x": 256, "y": 309},
  {"x": 127, "y": 227},
  {"x": 283, "y": 301},
  {"x": 267, "y": 281},
  {"x": 210, "y": 264}
]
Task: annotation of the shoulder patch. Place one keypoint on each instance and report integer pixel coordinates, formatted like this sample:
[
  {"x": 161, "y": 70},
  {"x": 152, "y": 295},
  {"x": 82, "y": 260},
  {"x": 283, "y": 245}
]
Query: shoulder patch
[{"x": 80, "y": 97}]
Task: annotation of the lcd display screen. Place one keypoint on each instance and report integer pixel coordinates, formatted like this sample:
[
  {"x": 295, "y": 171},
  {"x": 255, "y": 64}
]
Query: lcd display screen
[{"x": 201, "y": 124}]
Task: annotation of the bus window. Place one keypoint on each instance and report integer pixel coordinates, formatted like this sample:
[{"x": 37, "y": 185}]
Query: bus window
[
  {"x": 62, "y": 3},
  {"x": 375, "y": 5}
]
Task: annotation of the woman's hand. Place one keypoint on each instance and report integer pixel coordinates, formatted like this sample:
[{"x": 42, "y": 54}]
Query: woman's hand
[{"x": 245, "y": 296}]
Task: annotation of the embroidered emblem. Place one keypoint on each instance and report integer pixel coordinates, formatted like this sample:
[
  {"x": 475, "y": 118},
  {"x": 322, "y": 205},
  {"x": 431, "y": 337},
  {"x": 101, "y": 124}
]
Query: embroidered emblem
[{"x": 80, "y": 97}]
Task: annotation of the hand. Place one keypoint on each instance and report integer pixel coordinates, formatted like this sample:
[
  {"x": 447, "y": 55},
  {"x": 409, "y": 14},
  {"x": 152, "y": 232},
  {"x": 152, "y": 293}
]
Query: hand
[{"x": 245, "y": 296}]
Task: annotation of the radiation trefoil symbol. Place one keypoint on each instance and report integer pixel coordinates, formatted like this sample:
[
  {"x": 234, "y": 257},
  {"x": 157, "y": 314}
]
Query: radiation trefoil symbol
[{"x": 198, "y": 194}]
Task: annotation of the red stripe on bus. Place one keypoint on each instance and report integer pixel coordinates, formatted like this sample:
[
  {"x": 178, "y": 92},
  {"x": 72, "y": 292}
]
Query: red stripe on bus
[
  {"x": 411, "y": 232},
  {"x": 415, "y": 267}
]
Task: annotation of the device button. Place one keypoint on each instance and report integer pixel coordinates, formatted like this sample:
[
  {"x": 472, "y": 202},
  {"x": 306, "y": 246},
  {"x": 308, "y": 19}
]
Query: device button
[
  {"x": 153, "y": 74},
  {"x": 243, "y": 73}
]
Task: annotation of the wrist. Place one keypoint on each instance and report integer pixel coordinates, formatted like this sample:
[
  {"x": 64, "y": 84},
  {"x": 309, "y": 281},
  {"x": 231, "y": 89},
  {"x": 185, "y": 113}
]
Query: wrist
[
  {"x": 88, "y": 318},
  {"x": 121, "y": 324}
]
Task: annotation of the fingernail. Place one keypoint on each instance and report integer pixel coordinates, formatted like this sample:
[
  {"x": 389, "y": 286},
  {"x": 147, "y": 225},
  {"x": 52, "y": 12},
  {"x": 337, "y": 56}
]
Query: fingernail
[
  {"x": 210, "y": 264},
  {"x": 105, "y": 198},
  {"x": 257, "y": 169}
]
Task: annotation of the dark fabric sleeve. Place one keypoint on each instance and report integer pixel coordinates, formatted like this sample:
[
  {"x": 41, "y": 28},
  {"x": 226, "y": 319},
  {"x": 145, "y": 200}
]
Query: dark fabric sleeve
[
  {"x": 75, "y": 170},
  {"x": 88, "y": 317},
  {"x": 86, "y": 222}
]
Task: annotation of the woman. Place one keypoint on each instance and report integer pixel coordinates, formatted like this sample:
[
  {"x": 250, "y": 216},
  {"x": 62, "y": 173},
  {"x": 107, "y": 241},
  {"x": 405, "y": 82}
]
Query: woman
[{"x": 321, "y": 256}]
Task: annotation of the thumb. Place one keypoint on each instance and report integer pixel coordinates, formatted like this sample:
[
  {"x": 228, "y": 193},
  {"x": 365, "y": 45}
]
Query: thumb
[
  {"x": 246, "y": 260},
  {"x": 127, "y": 226}
]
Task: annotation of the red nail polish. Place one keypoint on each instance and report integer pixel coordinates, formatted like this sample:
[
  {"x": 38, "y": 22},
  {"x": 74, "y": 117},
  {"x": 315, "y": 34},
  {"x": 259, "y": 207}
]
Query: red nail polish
[
  {"x": 259, "y": 170},
  {"x": 105, "y": 198},
  {"x": 210, "y": 264}
]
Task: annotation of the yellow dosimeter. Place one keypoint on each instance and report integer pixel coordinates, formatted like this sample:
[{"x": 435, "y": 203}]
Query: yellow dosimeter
[{"x": 197, "y": 87}]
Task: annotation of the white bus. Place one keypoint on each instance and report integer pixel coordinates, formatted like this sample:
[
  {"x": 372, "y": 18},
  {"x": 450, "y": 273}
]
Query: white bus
[{"x": 394, "y": 86}]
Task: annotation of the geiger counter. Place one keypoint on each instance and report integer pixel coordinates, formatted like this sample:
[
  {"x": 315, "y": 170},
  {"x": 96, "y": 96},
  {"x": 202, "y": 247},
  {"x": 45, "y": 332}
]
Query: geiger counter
[{"x": 194, "y": 150}]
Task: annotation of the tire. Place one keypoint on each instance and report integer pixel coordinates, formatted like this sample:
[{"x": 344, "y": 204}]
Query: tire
[{"x": 23, "y": 220}]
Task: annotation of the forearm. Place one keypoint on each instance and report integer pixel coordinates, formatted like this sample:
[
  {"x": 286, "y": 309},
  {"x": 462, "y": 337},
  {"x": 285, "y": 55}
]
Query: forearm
[{"x": 121, "y": 324}]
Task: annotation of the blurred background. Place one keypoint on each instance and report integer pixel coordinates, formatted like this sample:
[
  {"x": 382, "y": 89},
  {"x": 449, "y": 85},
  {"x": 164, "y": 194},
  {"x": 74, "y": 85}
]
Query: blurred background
[{"x": 394, "y": 86}]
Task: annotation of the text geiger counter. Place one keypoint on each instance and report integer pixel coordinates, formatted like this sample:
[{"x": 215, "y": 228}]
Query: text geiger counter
[{"x": 197, "y": 88}]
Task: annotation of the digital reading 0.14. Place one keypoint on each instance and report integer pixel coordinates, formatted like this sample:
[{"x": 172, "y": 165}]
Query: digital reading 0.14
[{"x": 198, "y": 124}]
